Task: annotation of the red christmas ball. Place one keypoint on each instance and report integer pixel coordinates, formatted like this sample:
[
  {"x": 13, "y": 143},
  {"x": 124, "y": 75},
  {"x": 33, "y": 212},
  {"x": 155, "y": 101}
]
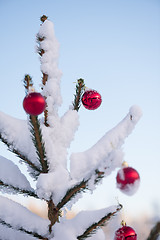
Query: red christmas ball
[
  {"x": 125, "y": 232},
  {"x": 91, "y": 99},
  {"x": 128, "y": 180},
  {"x": 34, "y": 103}
]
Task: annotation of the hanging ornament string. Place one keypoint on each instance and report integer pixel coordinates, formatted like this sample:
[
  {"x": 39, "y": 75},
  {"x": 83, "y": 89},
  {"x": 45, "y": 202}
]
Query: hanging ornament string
[{"x": 122, "y": 214}]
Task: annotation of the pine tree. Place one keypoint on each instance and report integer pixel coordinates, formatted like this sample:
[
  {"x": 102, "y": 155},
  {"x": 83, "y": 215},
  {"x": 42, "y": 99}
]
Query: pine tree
[{"x": 41, "y": 143}]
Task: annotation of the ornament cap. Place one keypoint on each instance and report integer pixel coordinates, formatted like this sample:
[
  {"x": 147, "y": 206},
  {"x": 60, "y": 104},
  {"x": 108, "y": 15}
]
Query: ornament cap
[
  {"x": 31, "y": 89},
  {"x": 123, "y": 223},
  {"x": 124, "y": 164}
]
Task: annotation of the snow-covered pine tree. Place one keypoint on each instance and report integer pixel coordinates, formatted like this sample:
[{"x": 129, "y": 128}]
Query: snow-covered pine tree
[{"x": 41, "y": 144}]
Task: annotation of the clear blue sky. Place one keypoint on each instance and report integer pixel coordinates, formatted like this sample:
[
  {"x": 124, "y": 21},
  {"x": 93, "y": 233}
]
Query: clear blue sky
[{"x": 115, "y": 46}]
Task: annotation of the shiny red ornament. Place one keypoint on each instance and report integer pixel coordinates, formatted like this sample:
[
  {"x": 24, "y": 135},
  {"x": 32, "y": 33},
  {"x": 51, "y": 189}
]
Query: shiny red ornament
[
  {"x": 125, "y": 233},
  {"x": 128, "y": 180},
  {"x": 91, "y": 99},
  {"x": 34, "y": 103}
]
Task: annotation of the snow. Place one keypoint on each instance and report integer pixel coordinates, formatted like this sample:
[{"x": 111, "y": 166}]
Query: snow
[
  {"x": 98, "y": 236},
  {"x": 54, "y": 183},
  {"x": 18, "y": 136},
  {"x": 18, "y": 216},
  {"x": 58, "y": 138},
  {"x": 11, "y": 234},
  {"x": 130, "y": 189},
  {"x": 71, "y": 229},
  {"x": 85, "y": 162},
  {"x": 49, "y": 66},
  {"x": 11, "y": 175}
]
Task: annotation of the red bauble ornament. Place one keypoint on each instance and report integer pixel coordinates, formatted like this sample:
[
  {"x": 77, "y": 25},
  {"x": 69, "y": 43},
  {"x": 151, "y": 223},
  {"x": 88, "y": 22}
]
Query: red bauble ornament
[
  {"x": 91, "y": 99},
  {"x": 125, "y": 232},
  {"x": 34, "y": 103},
  {"x": 128, "y": 180}
]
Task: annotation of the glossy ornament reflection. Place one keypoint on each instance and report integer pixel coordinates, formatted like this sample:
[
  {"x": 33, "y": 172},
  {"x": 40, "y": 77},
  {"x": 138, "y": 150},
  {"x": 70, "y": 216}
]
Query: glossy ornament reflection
[{"x": 91, "y": 99}]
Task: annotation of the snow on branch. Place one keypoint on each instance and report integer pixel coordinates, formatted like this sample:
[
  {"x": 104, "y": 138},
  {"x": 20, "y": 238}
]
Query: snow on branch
[
  {"x": 82, "y": 164},
  {"x": 91, "y": 166},
  {"x": 21, "y": 232},
  {"x": 38, "y": 142},
  {"x": 99, "y": 223},
  {"x": 77, "y": 188},
  {"x": 12, "y": 180},
  {"x": 9, "y": 233},
  {"x": 18, "y": 217},
  {"x": 15, "y": 134},
  {"x": 87, "y": 168},
  {"x": 11, "y": 175},
  {"x": 49, "y": 51},
  {"x": 84, "y": 224},
  {"x": 58, "y": 138}
]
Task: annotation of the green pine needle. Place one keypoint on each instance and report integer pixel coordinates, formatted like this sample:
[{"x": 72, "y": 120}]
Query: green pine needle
[
  {"x": 80, "y": 87},
  {"x": 38, "y": 142},
  {"x": 95, "y": 226}
]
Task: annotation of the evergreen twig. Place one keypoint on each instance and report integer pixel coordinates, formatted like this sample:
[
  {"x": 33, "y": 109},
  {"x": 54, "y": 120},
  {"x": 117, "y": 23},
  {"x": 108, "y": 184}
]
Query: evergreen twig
[
  {"x": 53, "y": 214},
  {"x": 78, "y": 188},
  {"x": 44, "y": 80},
  {"x": 92, "y": 229},
  {"x": 80, "y": 86},
  {"x": 36, "y": 235},
  {"x": 38, "y": 142},
  {"x": 43, "y": 18},
  {"x": 71, "y": 193},
  {"x": 18, "y": 190},
  {"x": 155, "y": 232},
  {"x": 36, "y": 170},
  {"x": 45, "y": 76},
  {"x": 27, "y": 82},
  {"x": 36, "y": 131}
]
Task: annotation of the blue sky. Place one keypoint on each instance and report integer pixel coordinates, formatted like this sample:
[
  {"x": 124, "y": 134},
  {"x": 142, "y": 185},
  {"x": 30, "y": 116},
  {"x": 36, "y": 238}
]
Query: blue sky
[{"x": 115, "y": 47}]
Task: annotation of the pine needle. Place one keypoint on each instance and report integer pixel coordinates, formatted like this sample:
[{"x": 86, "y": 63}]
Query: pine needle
[
  {"x": 93, "y": 228},
  {"x": 36, "y": 235},
  {"x": 38, "y": 142},
  {"x": 17, "y": 190}
]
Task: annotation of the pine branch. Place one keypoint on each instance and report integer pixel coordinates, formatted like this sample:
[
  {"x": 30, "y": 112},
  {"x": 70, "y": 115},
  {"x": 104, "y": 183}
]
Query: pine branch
[
  {"x": 92, "y": 229},
  {"x": 72, "y": 192},
  {"x": 22, "y": 157},
  {"x": 155, "y": 232},
  {"x": 38, "y": 142},
  {"x": 17, "y": 190},
  {"x": 45, "y": 76},
  {"x": 53, "y": 214},
  {"x": 36, "y": 131},
  {"x": 44, "y": 80},
  {"x": 79, "y": 92},
  {"x": 27, "y": 82},
  {"x": 36, "y": 235},
  {"x": 43, "y": 18},
  {"x": 81, "y": 187},
  {"x": 129, "y": 122}
]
